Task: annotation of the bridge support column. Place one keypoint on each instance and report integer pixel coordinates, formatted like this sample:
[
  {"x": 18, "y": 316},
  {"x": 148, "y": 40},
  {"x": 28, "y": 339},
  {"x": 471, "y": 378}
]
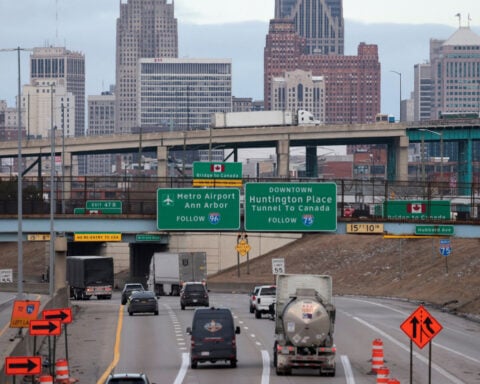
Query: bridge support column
[
  {"x": 311, "y": 163},
  {"x": 162, "y": 161},
  {"x": 283, "y": 158},
  {"x": 401, "y": 160},
  {"x": 67, "y": 177},
  {"x": 465, "y": 174}
]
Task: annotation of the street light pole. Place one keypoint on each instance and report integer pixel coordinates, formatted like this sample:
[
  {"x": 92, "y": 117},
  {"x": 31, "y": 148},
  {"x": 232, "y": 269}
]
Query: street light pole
[
  {"x": 20, "y": 173},
  {"x": 400, "y": 94}
]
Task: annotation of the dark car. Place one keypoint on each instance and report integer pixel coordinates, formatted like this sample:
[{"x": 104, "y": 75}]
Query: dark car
[
  {"x": 128, "y": 378},
  {"x": 128, "y": 288},
  {"x": 193, "y": 294},
  {"x": 142, "y": 302},
  {"x": 213, "y": 337}
]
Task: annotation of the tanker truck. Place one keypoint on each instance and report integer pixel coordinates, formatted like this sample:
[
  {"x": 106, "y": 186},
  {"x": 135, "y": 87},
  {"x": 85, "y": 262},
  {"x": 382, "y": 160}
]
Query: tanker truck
[{"x": 304, "y": 324}]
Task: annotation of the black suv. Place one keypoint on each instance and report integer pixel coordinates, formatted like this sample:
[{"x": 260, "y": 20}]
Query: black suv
[
  {"x": 128, "y": 288},
  {"x": 213, "y": 337},
  {"x": 193, "y": 294}
]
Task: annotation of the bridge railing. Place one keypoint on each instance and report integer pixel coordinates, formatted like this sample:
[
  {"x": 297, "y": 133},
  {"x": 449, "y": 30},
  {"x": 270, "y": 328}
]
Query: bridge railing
[{"x": 138, "y": 194}]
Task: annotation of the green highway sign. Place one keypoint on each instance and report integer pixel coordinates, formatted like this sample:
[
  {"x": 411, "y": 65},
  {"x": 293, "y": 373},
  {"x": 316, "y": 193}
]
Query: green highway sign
[
  {"x": 78, "y": 211},
  {"x": 104, "y": 205},
  {"x": 206, "y": 209},
  {"x": 417, "y": 209},
  {"x": 216, "y": 170},
  {"x": 291, "y": 207},
  {"x": 434, "y": 229},
  {"x": 148, "y": 237}
]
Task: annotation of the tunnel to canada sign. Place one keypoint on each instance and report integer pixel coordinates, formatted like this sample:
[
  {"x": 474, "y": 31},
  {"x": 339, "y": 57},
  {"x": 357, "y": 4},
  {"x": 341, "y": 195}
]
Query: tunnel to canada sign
[
  {"x": 291, "y": 207},
  {"x": 204, "y": 209}
]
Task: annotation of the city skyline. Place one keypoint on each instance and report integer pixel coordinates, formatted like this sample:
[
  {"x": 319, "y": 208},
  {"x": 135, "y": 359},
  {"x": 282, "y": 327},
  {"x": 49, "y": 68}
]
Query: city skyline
[{"x": 64, "y": 26}]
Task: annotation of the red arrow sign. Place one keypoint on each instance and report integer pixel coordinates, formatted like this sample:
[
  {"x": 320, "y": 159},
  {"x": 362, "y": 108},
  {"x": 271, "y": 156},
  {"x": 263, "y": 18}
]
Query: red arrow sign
[
  {"x": 421, "y": 326},
  {"x": 23, "y": 365},
  {"x": 62, "y": 314},
  {"x": 45, "y": 327}
]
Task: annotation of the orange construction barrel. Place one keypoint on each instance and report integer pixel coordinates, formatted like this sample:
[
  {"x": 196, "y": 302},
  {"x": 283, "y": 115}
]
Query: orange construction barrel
[{"x": 61, "y": 369}]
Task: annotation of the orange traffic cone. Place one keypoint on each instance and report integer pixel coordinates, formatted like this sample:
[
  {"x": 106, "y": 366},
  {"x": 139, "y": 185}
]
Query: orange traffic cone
[
  {"x": 377, "y": 355},
  {"x": 45, "y": 379},
  {"x": 382, "y": 375}
]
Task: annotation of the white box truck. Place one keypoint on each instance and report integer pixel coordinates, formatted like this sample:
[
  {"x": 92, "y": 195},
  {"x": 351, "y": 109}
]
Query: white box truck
[{"x": 168, "y": 271}]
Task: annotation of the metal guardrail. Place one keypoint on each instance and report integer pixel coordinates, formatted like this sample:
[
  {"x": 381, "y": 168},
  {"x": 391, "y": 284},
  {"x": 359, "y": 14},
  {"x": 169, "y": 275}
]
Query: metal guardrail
[{"x": 138, "y": 194}]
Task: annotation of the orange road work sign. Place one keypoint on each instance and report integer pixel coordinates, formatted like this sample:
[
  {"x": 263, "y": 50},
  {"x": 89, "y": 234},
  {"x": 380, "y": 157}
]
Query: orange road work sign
[
  {"x": 62, "y": 314},
  {"x": 45, "y": 328},
  {"x": 421, "y": 327},
  {"x": 23, "y": 365},
  {"x": 23, "y": 311}
]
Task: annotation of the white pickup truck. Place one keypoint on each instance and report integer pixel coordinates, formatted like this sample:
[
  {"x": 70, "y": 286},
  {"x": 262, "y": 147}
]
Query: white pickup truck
[{"x": 264, "y": 300}]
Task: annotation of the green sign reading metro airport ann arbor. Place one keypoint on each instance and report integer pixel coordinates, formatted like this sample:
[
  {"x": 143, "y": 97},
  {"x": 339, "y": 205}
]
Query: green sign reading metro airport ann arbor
[
  {"x": 291, "y": 207},
  {"x": 203, "y": 209}
]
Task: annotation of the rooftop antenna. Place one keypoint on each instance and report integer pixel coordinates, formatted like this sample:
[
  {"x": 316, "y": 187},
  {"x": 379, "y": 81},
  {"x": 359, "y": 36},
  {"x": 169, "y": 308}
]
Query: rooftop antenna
[
  {"x": 459, "y": 20},
  {"x": 56, "y": 21}
]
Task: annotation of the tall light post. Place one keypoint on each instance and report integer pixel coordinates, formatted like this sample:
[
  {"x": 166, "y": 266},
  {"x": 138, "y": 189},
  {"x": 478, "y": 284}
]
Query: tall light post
[
  {"x": 400, "y": 94},
  {"x": 19, "y": 172}
]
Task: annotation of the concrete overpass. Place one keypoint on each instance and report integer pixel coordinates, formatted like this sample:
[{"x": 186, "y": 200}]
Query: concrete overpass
[
  {"x": 396, "y": 136},
  {"x": 279, "y": 137}
]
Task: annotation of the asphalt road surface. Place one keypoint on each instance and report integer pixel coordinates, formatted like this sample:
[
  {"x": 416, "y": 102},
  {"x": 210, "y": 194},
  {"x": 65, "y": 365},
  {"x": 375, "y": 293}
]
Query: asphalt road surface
[{"x": 103, "y": 338}]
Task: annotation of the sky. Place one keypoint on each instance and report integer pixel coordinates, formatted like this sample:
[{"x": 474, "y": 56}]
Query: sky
[{"x": 207, "y": 29}]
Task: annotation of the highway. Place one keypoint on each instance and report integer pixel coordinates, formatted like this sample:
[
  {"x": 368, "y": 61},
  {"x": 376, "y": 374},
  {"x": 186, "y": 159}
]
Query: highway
[{"x": 103, "y": 337}]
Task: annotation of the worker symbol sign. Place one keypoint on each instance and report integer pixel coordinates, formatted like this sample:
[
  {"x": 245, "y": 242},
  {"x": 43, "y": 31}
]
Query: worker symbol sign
[{"x": 421, "y": 327}]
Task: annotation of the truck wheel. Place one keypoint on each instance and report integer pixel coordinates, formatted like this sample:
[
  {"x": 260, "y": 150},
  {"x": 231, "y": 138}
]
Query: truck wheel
[
  {"x": 252, "y": 309},
  {"x": 182, "y": 306},
  {"x": 193, "y": 364},
  {"x": 258, "y": 314},
  {"x": 275, "y": 358},
  {"x": 233, "y": 363}
]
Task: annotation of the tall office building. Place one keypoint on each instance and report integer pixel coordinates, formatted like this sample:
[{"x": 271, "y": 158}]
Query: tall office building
[
  {"x": 455, "y": 73},
  {"x": 299, "y": 90},
  {"x": 422, "y": 91},
  {"x": 59, "y": 63},
  {"x": 101, "y": 121},
  {"x": 145, "y": 29},
  {"x": 319, "y": 21},
  {"x": 182, "y": 94},
  {"x": 47, "y": 104},
  {"x": 352, "y": 83}
]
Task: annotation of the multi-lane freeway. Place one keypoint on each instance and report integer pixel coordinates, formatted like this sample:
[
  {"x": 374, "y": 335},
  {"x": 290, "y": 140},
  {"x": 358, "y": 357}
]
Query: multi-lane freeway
[{"x": 103, "y": 337}]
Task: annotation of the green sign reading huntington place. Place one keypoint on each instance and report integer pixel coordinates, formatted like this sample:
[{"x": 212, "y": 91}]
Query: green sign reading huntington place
[
  {"x": 206, "y": 209},
  {"x": 291, "y": 207}
]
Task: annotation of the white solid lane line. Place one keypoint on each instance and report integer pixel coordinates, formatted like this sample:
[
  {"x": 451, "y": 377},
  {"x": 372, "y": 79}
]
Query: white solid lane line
[
  {"x": 266, "y": 367},
  {"x": 183, "y": 369},
  {"x": 348, "y": 369}
]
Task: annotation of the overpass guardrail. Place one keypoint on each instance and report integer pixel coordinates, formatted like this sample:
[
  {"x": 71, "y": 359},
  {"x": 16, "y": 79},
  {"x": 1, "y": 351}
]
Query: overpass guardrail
[{"x": 367, "y": 198}]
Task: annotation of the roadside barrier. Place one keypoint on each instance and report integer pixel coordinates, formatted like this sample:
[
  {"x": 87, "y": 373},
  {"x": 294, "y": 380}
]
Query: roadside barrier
[
  {"x": 377, "y": 355},
  {"x": 382, "y": 375},
  {"x": 61, "y": 370},
  {"x": 45, "y": 379}
]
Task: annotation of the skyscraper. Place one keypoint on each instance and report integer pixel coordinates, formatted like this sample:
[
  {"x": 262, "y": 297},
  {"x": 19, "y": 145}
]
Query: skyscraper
[
  {"x": 352, "y": 83},
  {"x": 455, "y": 73},
  {"x": 145, "y": 29},
  {"x": 320, "y": 22},
  {"x": 59, "y": 63},
  {"x": 182, "y": 94}
]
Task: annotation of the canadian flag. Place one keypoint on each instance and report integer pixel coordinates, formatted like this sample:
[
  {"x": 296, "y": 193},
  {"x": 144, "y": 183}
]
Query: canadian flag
[
  {"x": 217, "y": 168},
  {"x": 416, "y": 208}
]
